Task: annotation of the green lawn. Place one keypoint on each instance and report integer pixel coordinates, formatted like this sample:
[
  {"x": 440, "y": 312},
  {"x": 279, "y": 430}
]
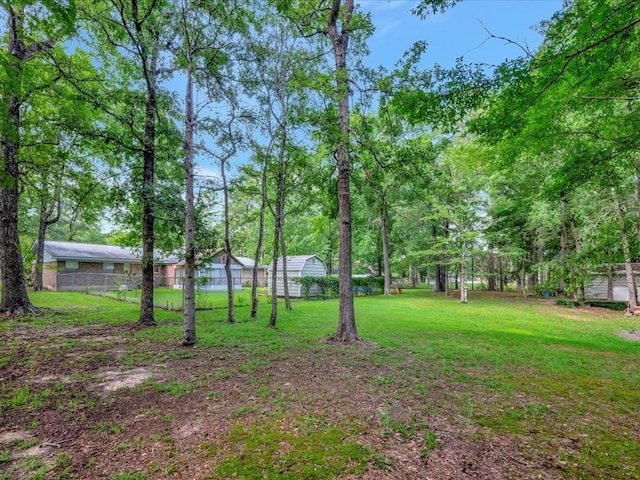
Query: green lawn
[
  {"x": 553, "y": 391},
  {"x": 171, "y": 299}
]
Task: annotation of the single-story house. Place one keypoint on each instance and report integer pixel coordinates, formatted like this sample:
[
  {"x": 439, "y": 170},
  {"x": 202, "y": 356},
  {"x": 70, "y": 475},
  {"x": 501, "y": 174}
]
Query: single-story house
[
  {"x": 298, "y": 266},
  {"x": 247, "y": 272},
  {"x": 211, "y": 275},
  {"x": 597, "y": 287},
  {"x": 73, "y": 266}
]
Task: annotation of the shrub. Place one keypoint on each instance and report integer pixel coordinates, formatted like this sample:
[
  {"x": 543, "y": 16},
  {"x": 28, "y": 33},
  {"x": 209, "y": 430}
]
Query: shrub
[
  {"x": 565, "y": 302},
  {"x": 606, "y": 304}
]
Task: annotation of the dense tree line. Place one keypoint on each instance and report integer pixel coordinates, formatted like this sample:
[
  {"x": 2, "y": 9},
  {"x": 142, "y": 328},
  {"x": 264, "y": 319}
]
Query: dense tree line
[{"x": 527, "y": 174}]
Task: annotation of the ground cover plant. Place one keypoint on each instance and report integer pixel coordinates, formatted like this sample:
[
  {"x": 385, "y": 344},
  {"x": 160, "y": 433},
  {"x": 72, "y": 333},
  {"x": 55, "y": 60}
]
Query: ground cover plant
[{"x": 496, "y": 388}]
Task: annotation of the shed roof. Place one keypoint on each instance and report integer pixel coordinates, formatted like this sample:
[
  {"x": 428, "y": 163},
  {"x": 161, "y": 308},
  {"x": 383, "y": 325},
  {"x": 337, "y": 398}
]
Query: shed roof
[
  {"x": 94, "y": 252},
  {"x": 295, "y": 262}
]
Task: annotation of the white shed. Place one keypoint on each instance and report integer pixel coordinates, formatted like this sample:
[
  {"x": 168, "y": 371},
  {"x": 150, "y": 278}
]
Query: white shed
[{"x": 298, "y": 266}]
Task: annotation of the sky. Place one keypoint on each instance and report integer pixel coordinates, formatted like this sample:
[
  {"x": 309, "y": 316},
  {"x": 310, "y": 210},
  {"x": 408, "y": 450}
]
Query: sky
[{"x": 460, "y": 32}]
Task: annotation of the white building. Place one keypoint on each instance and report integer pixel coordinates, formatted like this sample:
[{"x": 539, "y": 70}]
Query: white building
[{"x": 298, "y": 266}]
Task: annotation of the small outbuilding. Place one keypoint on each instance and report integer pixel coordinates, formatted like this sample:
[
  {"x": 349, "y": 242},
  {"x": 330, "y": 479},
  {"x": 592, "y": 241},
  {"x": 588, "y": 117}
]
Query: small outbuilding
[
  {"x": 601, "y": 285},
  {"x": 297, "y": 266}
]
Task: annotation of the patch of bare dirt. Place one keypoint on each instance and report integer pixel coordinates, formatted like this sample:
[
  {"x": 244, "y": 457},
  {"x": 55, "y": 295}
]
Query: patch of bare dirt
[
  {"x": 633, "y": 335},
  {"x": 116, "y": 379}
]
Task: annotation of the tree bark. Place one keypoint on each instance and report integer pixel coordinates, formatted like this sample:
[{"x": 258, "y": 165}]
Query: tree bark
[
  {"x": 523, "y": 282},
  {"x": 385, "y": 245},
  {"x": 14, "y": 287},
  {"x": 463, "y": 275},
  {"x": 258, "y": 255},
  {"x": 45, "y": 220},
  {"x": 626, "y": 252},
  {"x": 189, "y": 284},
  {"x": 285, "y": 273},
  {"x": 610, "y": 283},
  {"x": 347, "y": 331},
  {"x": 148, "y": 195},
  {"x": 491, "y": 271},
  {"x": 227, "y": 246},
  {"x": 579, "y": 294}
]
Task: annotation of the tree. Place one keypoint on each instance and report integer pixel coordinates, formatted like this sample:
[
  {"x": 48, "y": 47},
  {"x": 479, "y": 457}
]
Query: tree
[
  {"x": 206, "y": 34},
  {"x": 20, "y": 83},
  {"x": 131, "y": 36},
  {"x": 339, "y": 31}
]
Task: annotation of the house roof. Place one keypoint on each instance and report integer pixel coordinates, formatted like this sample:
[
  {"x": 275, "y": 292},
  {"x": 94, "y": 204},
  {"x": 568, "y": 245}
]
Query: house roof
[
  {"x": 295, "y": 262},
  {"x": 248, "y": 262},
  {"x": 95, "y": 252}
]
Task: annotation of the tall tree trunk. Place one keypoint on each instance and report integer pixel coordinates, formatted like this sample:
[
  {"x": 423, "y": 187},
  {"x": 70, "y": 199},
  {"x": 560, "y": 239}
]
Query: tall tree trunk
[
  {"x": 385, "y": 245},
  {"x": 279, "y": 228},
  {"x": 148, "y": 191},
  {"x": 258, "y": 255},
  {"x": 14, "y": 287},
  {"x": 491, "y": 271},
  {"x": 626, "y": 252},
  {"x": 463, "y": 275},
  {"x": 579, "y": 294},
  {"x": 347, "y": 331},
  {"x": 189, "y": 284},
  {"x": 227, "y": 245},
  {"x": 610, "y": 283},
  {"x": 501, "y": 273},
  {"x": 564, "y": 247},
  {"x": 523, "y": 282}
]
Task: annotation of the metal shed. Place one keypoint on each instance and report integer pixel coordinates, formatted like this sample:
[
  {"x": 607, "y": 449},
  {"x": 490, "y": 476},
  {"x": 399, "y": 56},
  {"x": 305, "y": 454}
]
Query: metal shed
[{"x": 298, "y": 266}]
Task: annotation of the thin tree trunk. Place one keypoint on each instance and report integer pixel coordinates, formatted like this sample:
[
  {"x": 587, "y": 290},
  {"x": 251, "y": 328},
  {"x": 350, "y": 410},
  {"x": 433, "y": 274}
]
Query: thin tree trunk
[
  {"x": 189, "y": 284},
  {"x": 285, "y": 273},
  {"x": 258, "y": 255},
  {"x": 347, "y": 331},
  {"x": 227, "y": 246},
  {"x": 610, "y": 283},
  {"x": 501, "y": 273},
  {"x": 579, "y": 294},
  {"x": 626, "y": 252},
  {"x": 523, "y": 282},
  {"x": 463, "y": 274},
  {"x": 385, "y": 245},
  {"x": 45, "y": 221}
]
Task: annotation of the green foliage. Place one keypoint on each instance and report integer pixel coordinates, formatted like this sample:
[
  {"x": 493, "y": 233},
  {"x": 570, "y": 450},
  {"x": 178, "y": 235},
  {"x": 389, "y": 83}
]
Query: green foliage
[
  {"x": 565, "y": 302},
  {"x": 619, "y": 306}
]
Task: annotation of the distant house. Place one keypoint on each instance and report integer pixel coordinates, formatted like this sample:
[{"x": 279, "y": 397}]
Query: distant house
[
  {"x": 72, "y": 266},
  {"x": 598, "y": 286},
  {"x": 298, "y": 266},
  {"x": 211, "y": 275},
  {"x": 247, "y": 272}
]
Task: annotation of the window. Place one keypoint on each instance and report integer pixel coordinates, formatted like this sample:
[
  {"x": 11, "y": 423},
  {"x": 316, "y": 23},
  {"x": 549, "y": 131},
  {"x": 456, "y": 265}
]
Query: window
[
  {"x": 108, "y": 267},
  {"x": 71, "y": 266}
]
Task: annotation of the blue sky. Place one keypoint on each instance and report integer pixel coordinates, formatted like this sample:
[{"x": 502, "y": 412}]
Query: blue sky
[{"x": 457, "y": 33}]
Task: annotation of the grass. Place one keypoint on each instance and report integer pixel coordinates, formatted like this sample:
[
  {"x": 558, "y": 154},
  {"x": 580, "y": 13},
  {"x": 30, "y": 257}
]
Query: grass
[
  {"x": 205, "y": 300},
  {"x": 497, "y": 367}
]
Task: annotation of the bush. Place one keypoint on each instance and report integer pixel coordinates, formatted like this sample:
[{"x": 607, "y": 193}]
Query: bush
[
  {"x": 606, "y": 304},
  {"x": 329, "y": 286},
  {"x": 565, "y": 302}
]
